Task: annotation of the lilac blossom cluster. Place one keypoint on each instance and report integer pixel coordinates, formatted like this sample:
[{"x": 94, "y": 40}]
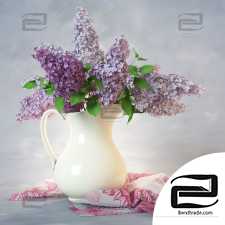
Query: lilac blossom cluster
[
  {"x": 32, "y": 107},
  {"x": 164, "y": 97},
  {"x": 65, "y": 70},
  {"x": 87, "y": 48},
  {"x": 62, "y": 69},
  {"x": 111, "y": 68},
  {"x": 113, "y": 72}
]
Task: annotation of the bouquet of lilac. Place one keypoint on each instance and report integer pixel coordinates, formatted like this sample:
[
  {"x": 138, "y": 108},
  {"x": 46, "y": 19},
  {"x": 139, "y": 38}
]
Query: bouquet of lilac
[{"x": 87, "y": 79}]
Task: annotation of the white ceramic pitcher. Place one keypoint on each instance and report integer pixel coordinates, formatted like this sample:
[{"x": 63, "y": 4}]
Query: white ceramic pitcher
[{"x": 90, "y": 160}]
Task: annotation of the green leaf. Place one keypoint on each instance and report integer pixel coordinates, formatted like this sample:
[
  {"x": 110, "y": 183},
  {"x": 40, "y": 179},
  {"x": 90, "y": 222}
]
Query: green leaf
[
  {"x": 133, "y": 70},
  {"x": 142, "y": 59},
  {"x": 138, "y": 57},
  {"x": 87, "y": 67},
  {"x": 146, "y": 69},
  {"x": 85, "y": 87},
  {"x": 77, "y": 98},
  {"x": 125, "y": 93},
  {"x": 126, "y": 103},
  {"x": 49, "y": 89},
  {"x": 46, "y": 85},
  {"x": 122, "y": 95},
  {"x": 43, "y": 82},
  {"x": 93, "y": 106},
  {"x": 97, "y": 83},
  {"x": 131, "y": 115},
  {"x": 136, "y": 54},
  {"x": 59, "y": 103},
  {"x": 127, "y": 106},
  {"x": 141, "y": 83},
  {"x": 30, "y": 84}
]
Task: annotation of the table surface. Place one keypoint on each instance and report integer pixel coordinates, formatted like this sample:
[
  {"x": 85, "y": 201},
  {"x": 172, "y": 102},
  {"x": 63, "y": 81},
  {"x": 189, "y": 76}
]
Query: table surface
[
  {"x": 56, "y": 212},
  {"x": 20, "y": 172}
]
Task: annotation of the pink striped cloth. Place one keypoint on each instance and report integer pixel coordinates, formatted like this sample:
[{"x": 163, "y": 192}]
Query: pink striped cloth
[{"x": 138, "y": 195}]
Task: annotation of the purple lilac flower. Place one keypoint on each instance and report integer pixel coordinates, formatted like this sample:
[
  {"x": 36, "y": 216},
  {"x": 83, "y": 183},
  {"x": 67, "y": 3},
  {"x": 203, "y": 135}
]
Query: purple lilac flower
[
  {"x": 111, "y": 68},
  {"x": 164, "y": 99},
  {"x": 113, "y": 72},
  {"x": 86, "y": 42},
  {"x": 32, "y": 107},
  {"x": 63, "y": 70}
]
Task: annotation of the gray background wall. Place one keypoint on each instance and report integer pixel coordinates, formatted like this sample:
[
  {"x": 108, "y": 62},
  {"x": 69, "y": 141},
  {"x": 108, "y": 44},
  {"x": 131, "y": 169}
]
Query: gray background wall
[{"x": 160, "y": 145}]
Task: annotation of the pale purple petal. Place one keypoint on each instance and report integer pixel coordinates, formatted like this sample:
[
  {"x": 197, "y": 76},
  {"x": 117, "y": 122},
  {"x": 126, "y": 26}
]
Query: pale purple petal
[
  {"x": 86, "y": 42},
  {"x": 114, "y": 71},
  {"x": 62, "y": 69},
  {"x": 32, "y": 107},
  {"x": 165, "y": 97}
]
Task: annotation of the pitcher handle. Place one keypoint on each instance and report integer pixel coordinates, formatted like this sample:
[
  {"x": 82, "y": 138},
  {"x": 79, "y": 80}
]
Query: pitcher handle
[{"x": 44, "y": 136}]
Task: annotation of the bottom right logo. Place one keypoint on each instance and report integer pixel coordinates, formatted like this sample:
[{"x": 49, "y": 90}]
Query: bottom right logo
[
  {"x": 199, "y": 192},
  {"x": 194, "y": 194}
]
